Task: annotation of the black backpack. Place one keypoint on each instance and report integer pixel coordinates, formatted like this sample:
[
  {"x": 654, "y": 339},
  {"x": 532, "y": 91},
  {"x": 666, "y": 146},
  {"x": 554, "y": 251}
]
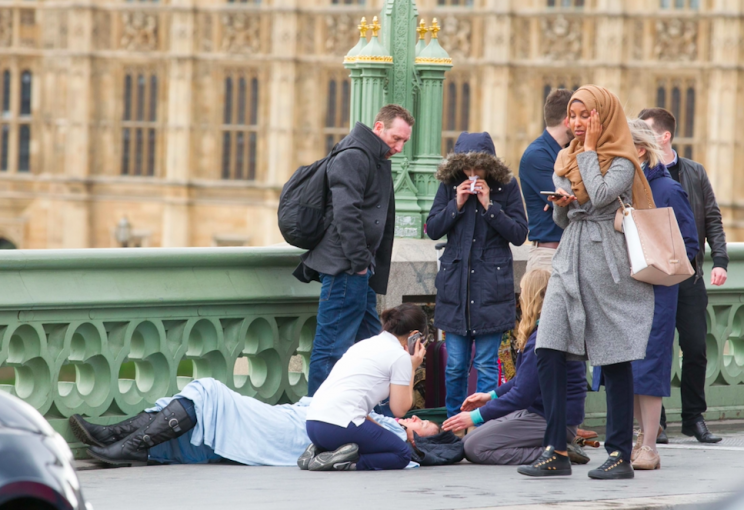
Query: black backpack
[{"x": 302, "y": 204}]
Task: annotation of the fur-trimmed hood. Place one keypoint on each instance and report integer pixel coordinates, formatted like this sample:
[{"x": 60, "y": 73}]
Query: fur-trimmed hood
[{"x": 473, "y": 150}]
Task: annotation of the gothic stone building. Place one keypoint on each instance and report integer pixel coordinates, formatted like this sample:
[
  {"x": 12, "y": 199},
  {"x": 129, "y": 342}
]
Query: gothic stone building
[{"x": 186, "y": 116}]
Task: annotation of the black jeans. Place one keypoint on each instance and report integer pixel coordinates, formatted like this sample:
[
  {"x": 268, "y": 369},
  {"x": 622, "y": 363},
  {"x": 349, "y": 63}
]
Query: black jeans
[
  {"x": 618, "y": 379},
  {"x": 693, "y": 330}
]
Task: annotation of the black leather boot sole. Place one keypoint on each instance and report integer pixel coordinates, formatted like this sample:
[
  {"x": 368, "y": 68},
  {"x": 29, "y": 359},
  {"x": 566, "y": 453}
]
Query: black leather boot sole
[
  {"x": 102, "y": 455},
  {"x": 614, "y": 468},
  {"x": 105, "y": 435},
  {"x": 548, "y": 464}
]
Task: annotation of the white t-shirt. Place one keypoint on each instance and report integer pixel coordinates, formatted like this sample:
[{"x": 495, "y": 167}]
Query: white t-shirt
[{"x": 360, "y": 380}]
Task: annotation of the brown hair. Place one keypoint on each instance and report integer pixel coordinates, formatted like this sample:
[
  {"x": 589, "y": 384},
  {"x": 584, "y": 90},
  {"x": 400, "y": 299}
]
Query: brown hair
[
  {"x": 390, "y": 112},
  {"x": 534, "y": 284},
  {"x": 403, "y": 319},
  {"x": 556, "y": 106},
  {"x": 663, "y": 120}
]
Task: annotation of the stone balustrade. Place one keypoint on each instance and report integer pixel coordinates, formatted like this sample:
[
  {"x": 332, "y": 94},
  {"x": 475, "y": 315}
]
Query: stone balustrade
[{"x": 104, "y": 333}]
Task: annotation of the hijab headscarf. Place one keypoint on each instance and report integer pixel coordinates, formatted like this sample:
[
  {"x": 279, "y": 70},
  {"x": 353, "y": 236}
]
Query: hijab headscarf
[{"x": 615, "y": 141}]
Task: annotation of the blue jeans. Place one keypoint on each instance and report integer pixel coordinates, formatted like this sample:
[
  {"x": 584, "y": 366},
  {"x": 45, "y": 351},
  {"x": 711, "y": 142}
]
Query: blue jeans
[
  {"x": 347, "y": 313},
  {"x": 459, "y": 352},
  {"x": 378, "y": 447}
]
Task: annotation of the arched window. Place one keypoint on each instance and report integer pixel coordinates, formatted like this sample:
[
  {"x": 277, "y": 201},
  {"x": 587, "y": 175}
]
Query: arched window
[
  {"x": 240, "y": 126},
  {"x": 337, "y": 110},
  {"x": 457, "y": 95},
  {"x": 24, "y": 127},
  {"x": 139, "y": 133},
  {"x": 678, "y": 96}
]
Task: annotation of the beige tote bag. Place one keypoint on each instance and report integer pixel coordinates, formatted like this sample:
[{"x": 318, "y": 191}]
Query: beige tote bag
[{"x": 655, "y": 245}]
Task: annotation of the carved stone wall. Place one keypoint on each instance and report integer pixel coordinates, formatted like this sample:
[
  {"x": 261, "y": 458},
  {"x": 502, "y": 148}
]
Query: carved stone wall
[{"x": 78, "y": 55}]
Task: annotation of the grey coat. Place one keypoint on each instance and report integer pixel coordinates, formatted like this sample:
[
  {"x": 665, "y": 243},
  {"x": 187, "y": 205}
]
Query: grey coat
[
  {"x": 361, "y": 196},
  {"x": 593, "y": 309}
]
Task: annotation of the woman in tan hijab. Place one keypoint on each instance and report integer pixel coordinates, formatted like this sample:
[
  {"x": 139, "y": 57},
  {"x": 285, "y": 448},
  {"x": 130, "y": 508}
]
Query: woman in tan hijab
[{"x": 593, "y": 309}]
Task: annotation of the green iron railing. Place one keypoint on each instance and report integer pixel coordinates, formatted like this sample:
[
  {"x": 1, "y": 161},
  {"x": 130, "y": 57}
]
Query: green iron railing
[{"x": 105, "y": 333}]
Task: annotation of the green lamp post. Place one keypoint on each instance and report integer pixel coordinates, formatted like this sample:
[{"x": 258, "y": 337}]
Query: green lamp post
[{"x": 398, "y": 67}]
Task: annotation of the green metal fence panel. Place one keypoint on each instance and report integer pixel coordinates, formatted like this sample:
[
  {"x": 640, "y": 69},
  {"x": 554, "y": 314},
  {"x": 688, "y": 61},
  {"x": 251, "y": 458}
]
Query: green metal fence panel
[{"x": 105, "y": 333}]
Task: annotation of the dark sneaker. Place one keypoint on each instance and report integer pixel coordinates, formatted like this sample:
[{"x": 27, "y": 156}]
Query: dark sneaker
[
  {"x": 548, "y": 464},
  {"x": 614, "y": 468},
  {"x": 345, "y": 466},
  {"x": 577, "y": 455},
  {"x": 326, "y": 460},
  {"x": 700, "y": 431},
  {"x": 303, "y": 460}
]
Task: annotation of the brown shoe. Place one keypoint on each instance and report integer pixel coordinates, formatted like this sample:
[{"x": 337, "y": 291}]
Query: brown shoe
[
  {"x": 586, "y": 434},
  {"x": 636, "y": 447},
  {"x": 646, "y": 459}
]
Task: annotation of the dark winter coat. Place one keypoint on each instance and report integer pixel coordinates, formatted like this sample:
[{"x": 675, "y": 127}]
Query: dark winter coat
[
  {"x": 441, "y": 449},
  {"x": 523, "y": 390},
  {"x": 363, "y": 203},
  {"x": 475, "y": 283},
  {"x": 694, "y": 180}
]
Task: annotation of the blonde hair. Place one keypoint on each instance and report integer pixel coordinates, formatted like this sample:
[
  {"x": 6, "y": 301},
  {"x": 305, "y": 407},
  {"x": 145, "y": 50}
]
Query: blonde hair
[
  {"x": 645, "y": 138},
  {"x": 531, "y": 297}
]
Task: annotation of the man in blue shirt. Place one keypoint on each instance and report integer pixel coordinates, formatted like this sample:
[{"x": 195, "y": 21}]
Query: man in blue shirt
[{"x": 536, "y": 175}]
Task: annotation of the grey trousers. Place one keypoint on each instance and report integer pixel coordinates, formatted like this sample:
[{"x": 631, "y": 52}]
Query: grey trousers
[{"x": 513, "y": 439}]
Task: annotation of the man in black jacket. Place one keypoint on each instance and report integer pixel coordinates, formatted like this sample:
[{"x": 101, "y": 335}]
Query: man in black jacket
[
  {"x": 693, "y": 298},
  {"x": 352, "y": 261}
]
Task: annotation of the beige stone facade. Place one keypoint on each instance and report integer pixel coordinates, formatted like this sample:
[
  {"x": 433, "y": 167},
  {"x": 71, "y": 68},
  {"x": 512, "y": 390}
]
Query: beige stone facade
[{"x": 186, "y": 116}]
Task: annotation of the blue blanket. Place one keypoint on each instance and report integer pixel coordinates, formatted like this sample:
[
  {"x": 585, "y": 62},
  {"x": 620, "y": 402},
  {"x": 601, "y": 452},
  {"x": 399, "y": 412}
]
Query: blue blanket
[{"x": 242, "y": 429}]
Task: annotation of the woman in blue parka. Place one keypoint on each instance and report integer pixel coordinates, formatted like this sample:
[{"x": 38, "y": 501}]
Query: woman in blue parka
[
  {"x": 479, "y": 208},
  {"x": 652, "y": 375}
]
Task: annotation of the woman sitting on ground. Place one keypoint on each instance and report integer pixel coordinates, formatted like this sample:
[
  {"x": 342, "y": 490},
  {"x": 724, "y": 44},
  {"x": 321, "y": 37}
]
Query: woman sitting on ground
[
  {"x": 343, "y": 436},
  {"x": 207, "y": 422},
  {"x": 512, "y": 415}
]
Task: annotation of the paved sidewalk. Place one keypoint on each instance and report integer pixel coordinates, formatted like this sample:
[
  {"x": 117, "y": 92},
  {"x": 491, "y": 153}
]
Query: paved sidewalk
[{"x": 691, "y": 474}]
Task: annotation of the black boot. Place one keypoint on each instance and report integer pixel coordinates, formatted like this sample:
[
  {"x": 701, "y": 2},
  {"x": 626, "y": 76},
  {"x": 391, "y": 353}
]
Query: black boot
[
  {"x": 548, "y": 464},
  {"x": 104, "y": 435},
  {"x": 173, "y": 421}
]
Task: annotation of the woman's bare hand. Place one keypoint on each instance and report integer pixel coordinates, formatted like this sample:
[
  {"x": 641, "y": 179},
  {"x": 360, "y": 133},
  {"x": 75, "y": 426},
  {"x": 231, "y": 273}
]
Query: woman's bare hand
[
  {"x": 463, "y": 193},
  {"x": 593, "y": 132},
  {"x": 484, "y": 193},
  {"x": 475, "y": 401},
  {"x": 561, "y": 202},
  {"x": 458, "y": 422}
]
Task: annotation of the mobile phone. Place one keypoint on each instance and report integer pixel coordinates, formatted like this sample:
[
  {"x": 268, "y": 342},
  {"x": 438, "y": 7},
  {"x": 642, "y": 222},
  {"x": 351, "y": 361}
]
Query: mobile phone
[
  {"x": 412, "y": 342},
  {"x": 554, "y": 194}
]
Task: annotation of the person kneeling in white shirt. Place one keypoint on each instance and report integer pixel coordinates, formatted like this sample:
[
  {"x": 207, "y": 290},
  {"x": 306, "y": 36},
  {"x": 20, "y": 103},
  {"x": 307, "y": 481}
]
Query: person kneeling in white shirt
[{"x": 370, "y": 371}]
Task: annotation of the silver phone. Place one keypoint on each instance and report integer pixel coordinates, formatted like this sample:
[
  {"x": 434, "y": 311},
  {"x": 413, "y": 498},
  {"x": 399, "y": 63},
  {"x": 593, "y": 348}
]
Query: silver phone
[{"x": 412, "y": 342}]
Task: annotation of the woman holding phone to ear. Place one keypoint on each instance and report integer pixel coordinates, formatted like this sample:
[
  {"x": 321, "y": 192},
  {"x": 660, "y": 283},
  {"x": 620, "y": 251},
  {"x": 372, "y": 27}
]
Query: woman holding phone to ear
[
  {"x": 343, "y": 436},
  {"x": 593, "y": 309}
]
